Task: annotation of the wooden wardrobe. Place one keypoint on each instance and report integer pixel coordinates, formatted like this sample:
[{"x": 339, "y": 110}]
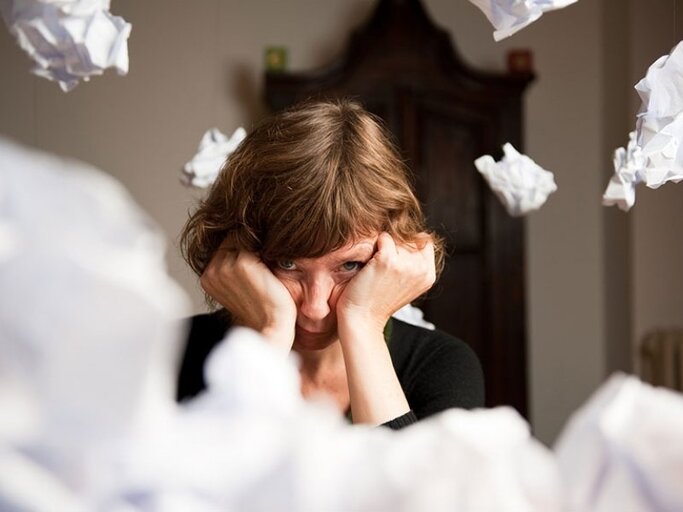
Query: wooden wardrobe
[{"x": 444, "y": 115}]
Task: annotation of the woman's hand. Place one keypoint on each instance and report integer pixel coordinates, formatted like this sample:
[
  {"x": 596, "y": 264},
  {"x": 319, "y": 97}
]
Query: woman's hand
[
  {"x": 245, "y": 286},
  {"x": 394, "y": 276}
]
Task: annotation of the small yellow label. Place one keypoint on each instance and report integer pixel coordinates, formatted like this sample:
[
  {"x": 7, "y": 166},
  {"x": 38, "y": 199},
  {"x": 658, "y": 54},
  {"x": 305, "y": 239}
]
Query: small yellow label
[{"x": 276, "y": 58}]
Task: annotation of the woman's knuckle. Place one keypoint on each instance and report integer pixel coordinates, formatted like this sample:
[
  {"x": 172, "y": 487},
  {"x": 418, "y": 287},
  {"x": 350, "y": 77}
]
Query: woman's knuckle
[{"x": 206, "y": 283}]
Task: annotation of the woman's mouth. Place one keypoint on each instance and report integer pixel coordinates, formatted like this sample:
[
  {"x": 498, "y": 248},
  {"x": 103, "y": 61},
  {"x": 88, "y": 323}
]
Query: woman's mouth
[{"x": 307, "y": 332}]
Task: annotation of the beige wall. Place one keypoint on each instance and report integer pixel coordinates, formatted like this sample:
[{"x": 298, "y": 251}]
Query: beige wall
[
  {"x": 617, "y": 122},
  {"x": 198, "y": 64}
]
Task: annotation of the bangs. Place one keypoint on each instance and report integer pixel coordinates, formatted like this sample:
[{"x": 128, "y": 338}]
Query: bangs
[{"x": 314, "y": 224}]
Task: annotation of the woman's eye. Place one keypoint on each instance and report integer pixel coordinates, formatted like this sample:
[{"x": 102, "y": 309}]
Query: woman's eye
[
  {"x": 286, "y": 265},
  {"x": 352, "y": 265}
]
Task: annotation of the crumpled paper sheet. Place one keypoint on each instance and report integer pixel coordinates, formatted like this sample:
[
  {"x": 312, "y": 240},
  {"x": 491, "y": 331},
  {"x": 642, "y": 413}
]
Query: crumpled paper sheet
[
  {"x": 8, "y": 241},
  {"x": 88, "y": 332},
  {"x": 510, "y": 16},
  {"x": 629, "y": 170},
  {"x": 89, "y": 319},
  {"x": 88, "y": 336},
  {"x": 242, "y": 446},
  {"x": 623, "y": 449},
  {"x": 660, "y": 120},
  {"x": 27, "y": 486},
  {"x": 413, "y": 315},
  {"x": 215, "y": 147},
  {"x": 520, "y": 183},
  {"x": 69, "y": 40}
]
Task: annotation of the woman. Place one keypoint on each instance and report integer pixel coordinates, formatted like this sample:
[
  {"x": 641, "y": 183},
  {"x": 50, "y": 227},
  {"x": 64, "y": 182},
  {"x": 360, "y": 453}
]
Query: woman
[{"x": 313, "y": 236}]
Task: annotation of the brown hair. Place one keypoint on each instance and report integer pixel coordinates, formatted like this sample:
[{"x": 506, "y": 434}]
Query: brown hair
[{"x": 305, "y": 182}]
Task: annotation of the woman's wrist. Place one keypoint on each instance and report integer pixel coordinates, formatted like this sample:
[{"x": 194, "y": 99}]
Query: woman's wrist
[
  {"x": 279, "y": 336},
  {"x": 374, "y": 389},
  {"x": 360, "y": 326}
]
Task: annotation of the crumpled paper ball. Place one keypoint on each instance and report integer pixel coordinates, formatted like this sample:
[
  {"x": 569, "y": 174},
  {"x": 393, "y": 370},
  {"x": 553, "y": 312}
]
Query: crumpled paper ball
[
  {"x": 88, "y": 335},
  {"x": 629, "y": 169},
  {"x": 520, "y": 183},
  {"x": 9, "y": 241},
  {"x": 90, "y": 322},
  {"x": 250, "y": 442},
  {"x": 510, "y": 16},
  {"x": 215, "y": 147},
  {"x": 623, "y": 449},
  {"x": 413, "y": 315},
  {"x": 28, "y": 486},
  {"x": 660, "y": 119},
  {"x": 69, "y": 40}
]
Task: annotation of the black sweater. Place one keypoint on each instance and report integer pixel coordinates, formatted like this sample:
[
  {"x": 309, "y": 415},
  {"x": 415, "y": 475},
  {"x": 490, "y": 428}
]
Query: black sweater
[{"x": 436, "y": 371}]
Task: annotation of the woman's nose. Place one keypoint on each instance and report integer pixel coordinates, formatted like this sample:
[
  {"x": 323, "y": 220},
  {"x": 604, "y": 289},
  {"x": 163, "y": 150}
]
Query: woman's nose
[{"x": 316, "y": 300}]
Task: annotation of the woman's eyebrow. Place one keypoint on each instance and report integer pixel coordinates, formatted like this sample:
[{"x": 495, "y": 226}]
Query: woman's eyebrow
[{"x": 360, "y": 251}]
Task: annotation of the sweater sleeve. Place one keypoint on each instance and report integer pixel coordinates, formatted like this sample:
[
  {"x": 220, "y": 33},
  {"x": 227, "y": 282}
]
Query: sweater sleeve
[
  {"x": 449, "y": 375},
  {"x": 402, "y": 421},
  {"x": 206, "y": 331},
  {"x": 437, "y": 371}
]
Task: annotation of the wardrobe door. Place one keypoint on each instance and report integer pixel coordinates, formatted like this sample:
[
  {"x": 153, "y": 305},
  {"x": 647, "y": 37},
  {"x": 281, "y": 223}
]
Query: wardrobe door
[{"x": 479, "y": 296}]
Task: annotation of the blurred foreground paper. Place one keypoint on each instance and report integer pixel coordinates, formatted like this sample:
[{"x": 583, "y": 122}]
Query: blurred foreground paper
[
  {"x": 69, "y": 40},
  {"x": 629, "y": 169},
  {"x": 510, "y": 16},
  {"x": 520, "y": 184},
  {"x": 88, "y": 335},
  {"x": 623, "y": 450},
  {"x": 214, "y": 149},
  {"x": 241, "y": 446},
  {"x": 89, "y": 319},
  {"x": 660, "y": 120}
]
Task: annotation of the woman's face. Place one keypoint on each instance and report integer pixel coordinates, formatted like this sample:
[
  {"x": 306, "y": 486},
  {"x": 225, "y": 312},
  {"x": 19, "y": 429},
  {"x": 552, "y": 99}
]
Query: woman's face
[{"x": 315, "y": 284}]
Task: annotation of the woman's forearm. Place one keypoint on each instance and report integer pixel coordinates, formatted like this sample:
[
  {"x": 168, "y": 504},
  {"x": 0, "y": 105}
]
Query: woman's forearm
[{"x": 374, "y": 389}]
